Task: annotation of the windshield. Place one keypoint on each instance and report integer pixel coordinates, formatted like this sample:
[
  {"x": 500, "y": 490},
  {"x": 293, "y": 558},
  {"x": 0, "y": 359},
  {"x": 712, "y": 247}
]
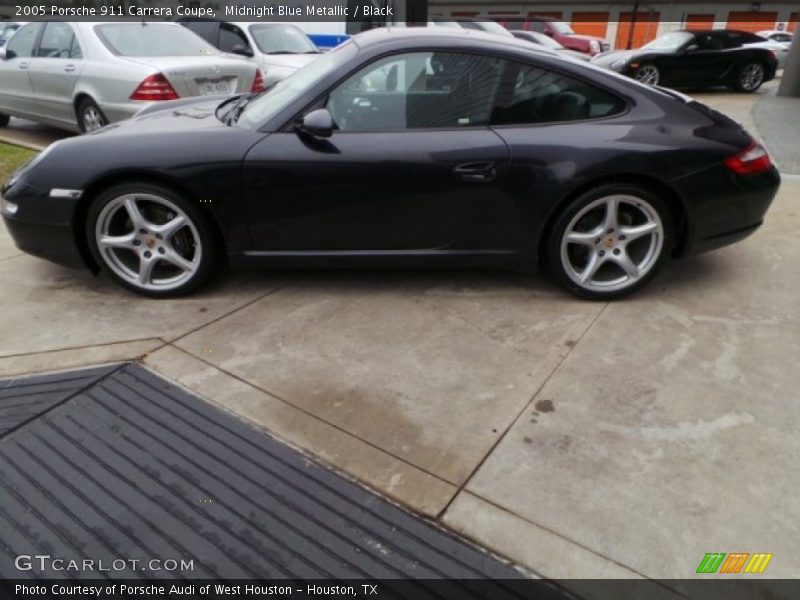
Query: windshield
[
  {"x": 152, "y": 39},
  {"x": 669, "y": 41},
  {"x": 561, "y": 28},
  {"x": 9, "y": 31},
  {"x": 289, "y": 90},
  {"x": 277, "y": 38}
]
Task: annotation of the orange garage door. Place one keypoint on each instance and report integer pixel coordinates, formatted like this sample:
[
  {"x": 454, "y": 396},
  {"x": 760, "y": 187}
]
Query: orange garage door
[
  {"x": 792, "y": 25},
  {"x": 645, "y": 29},
  {"x": 751, "y": 21},
  {"x": 590, "y": 23},
  {"x": 699, "y": 21}
]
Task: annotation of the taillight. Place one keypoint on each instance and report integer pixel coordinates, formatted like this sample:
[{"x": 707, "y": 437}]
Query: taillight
[
  {"x": 155, "y": 87},
  {"x": 258, "y": 82},
  {"x": 753, "y": 159}
]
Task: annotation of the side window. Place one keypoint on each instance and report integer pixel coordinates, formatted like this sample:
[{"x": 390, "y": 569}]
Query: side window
[
  {"x": 419, "y": 90},
  {"x": 732, "y": 39},
  {"x": 532, "y": 95},
  {"x": 230, "y": 36},
  {"x": 57, "y": 41},
  {"x": 709, "y": 41},
  {"x": 23, "y": 42},
  {"x": 205, "y": 29},
  {"x": 75, "y": 50}
]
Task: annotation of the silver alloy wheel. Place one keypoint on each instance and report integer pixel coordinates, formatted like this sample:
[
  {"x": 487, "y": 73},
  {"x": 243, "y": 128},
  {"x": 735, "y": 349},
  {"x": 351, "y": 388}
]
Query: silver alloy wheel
[
  {"x": 648, "y": 74},
  {"x": 612, "y": 243},
  {"x": 149, "y": 255},
  {"x": 751, "y": 76},
  {"x": 92, "y": 119}
]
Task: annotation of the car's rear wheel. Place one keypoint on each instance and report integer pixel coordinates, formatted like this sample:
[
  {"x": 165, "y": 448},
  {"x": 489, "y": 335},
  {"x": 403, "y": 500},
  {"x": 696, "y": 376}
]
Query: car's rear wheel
[
  {"x": 151, "y": 239},
  {"x": 4, "y": 120},
  {"x": 609, "y": 241},
  {"x": 90, "y": 117},
  {"x": 648, "y": 74},
  {"x": 749, "y": 77}
]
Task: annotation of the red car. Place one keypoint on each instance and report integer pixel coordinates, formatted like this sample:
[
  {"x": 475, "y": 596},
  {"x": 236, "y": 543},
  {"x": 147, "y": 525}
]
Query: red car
[{"x": 562, "y": 33}]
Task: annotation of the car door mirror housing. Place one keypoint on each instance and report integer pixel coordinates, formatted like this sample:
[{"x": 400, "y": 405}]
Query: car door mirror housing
[
  {"x": 242, "y": 50},
  {"x": 6, "y": 54},
  {"x": 318, "y": 123}
]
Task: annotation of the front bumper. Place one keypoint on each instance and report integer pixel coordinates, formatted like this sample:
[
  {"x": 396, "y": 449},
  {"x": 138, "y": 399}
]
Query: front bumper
[{"x": 42, "y": 225}]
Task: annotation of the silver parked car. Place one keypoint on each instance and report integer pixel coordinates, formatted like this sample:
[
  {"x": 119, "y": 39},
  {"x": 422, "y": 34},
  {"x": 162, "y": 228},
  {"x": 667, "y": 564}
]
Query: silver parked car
[
  {"x": 279, "y": 49},
  {"x": 82, "y": 76}
]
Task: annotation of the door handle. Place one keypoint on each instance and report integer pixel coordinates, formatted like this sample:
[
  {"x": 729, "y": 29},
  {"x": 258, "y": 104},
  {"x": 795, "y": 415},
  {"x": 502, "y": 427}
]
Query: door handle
[
  {"x": 23, "y": 65},
  {"x": 69, "y": 69},
  {"x": 476, "y": 171}
]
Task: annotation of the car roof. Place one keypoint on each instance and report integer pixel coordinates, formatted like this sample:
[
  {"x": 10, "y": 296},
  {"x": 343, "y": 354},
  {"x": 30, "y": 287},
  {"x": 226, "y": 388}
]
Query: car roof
[{"x": 442, "y": 36}]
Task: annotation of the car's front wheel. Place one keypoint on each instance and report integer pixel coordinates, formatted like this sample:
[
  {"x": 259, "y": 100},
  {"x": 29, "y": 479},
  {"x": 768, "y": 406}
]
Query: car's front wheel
[
  {"x": 150, "y": 239},
  {"x": 609, "y": 241},
  {"x": 90, "y": 117},
  {"x": 648, "y": 74},
  {"x": 749, "y": 77}
]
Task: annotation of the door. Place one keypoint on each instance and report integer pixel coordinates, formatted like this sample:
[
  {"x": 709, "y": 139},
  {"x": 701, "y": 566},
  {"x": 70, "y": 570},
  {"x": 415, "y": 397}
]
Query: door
[
  {"x": 638, "y": 34},
  {"x": 699, "y": 21},
  {"x": 590, "y": 23},
  {"x": 704, "y": 63},
  {"x": 752, "y": 21},
  {"x": 55, "y": 71},
  {"x": 412, "y": 164},
  {"x": 16, "y": 92}
]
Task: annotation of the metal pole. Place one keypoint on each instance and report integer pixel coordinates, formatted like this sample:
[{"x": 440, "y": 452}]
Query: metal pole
[
  {"x": 634, "y": 17},
  {"x": 790, "y": 82}
]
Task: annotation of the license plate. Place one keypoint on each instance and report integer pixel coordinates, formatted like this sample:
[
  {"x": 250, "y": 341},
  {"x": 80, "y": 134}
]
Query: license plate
[{"x": 214, "y": 88}]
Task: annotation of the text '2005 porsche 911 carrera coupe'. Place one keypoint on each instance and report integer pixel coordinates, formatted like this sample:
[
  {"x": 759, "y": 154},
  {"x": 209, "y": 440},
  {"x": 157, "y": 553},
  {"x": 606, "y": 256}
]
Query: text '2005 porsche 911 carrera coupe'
[{"x": 411, "y": 147}]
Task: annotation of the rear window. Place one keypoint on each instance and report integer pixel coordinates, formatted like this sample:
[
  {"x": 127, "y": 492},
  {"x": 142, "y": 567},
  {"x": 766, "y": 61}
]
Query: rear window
[
  {"x": 278, "y": 38},
  {"x": 152, "y": 39}
]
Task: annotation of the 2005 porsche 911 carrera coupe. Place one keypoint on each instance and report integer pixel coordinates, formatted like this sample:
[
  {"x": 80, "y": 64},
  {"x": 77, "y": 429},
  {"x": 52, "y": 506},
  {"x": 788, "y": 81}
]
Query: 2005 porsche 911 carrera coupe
[{"x": 413, "y": 147}]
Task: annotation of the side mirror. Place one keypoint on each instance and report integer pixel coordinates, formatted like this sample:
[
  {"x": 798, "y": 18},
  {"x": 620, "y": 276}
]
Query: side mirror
[
  {"x": 4, "y": 54},
  {"x": 242, "y": 51},
  {"x": 317, "y": 123}
]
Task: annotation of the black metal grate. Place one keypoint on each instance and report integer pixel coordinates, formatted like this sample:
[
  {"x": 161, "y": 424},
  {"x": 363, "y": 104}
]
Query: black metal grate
[{"x": 129, "y": 466}]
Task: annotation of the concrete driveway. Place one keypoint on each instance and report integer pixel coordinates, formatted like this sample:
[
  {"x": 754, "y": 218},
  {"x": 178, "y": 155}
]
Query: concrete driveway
[{"x": 583, "y": 440}]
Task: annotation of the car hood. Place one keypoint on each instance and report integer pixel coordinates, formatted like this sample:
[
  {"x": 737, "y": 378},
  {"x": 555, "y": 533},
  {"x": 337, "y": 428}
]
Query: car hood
[
  {"x": 293, "y": 61},
  {"x": 191, "y": 114},
  {"x": 586, "y": 38},
  {"x": 606, "y": 59}
]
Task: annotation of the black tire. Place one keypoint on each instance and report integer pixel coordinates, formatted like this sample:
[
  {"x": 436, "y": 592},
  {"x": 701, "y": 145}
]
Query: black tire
[
  {"x": 743, "y": 83},
  {"x": 90, "y": 117},
  {"x": 196, "y": 241},
  {"x": 586, "y": 218},
  {"x": 4, "y": 120},
  {"x": 648, "y": 73}
]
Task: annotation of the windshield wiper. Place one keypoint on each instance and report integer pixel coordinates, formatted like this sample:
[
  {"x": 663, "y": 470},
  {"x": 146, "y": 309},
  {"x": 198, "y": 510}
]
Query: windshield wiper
[
  {"x": 242, "y": 103},
  {"x": 224, "y": 103},
  {"x": 282, "y": 52}
]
